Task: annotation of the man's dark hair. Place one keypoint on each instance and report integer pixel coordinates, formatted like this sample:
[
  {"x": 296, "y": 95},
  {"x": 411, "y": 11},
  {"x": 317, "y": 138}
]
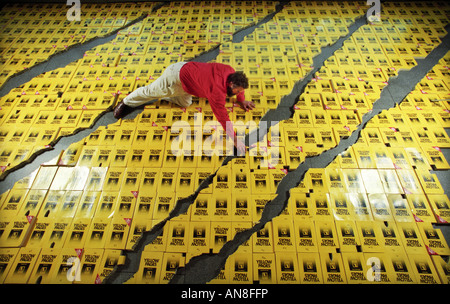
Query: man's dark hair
[{"x": 238, "y": 79}]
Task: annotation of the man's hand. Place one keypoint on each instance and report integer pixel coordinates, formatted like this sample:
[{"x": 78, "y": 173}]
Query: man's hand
[
  {"x": 247, "y": 105},
  {"x": 240, "y": 146}
]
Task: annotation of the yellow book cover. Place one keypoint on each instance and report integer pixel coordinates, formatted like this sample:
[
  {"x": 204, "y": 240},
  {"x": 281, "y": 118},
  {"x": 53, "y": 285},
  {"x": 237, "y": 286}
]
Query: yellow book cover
[
  {"x": 370, "y": 235},
  {"x": 95, "y": 179},
  {"x": 424, "y": 269},
  {"x": 167, "y": 181},
  {"x": 321, "y": 207},
  {"x": 221, "y": 206},
  {"x": 417, "y": 158},
  {"x": 391, "y": 137},
  {"x": 185, "y": 180},
  {"x": 97, "y": 233},
  {"x": 78, "y": 233},
  {"x": 149, "y": 181},
  {"x": 347, "y": 235},
  {"x": 391, "y": 237},
  {"x": 316, "y": 178},
  {"x": 7, "y": 256},
  {"x": 164, "y": 203},
  {"x": 263, "y": 239},
  {"x": 334, "y": 179},
  {"x": 327, "y": 239},
  {"x": 126, "y": 203},
  {"x": 441, "y": 207},
  {"x": 411, "y": 238},
  {"x": 294, "y": 156},
  {"x": 150, "y": 268},
  {"x": 107, "y": 204},
  {"x": 400, "y": 208},
  {"x": 199, "y": 237},
  {"x": 178, "y": 238},
  {"x": 88, "y": 156},
  {"x": 301, "y": 205},
  {"x": 310, "y": 138},
  {"x": 240, "y": 178},
  {"x": 284, "y": 239},
  {"x": 16, "y": 230},
  {"x": 383, "y": 159},
  {"x": 241, "y": 206},
  {"x": 104, "y": 156},
  {"x": 171, "y": 262},
  {"x": 341, "y": 206},
  {"x": 380, "y": 207},
  {"x": 287, "y": 269},
  {"x": 310, "y": 271},
  {"x": 429, "y": 181},
  {"x": 41, "y": 229},
  {"x": 400, "y": 158},
  {"x": 390, "y": 181},
  {"x": 202, "y": 207},
  {"x": 117, "y": 234},
  {"x": 264, "y": 270},
  {"x": 113, "y": 179},
  {"x": 22, "y": 266},
  {"x": 439, "y": 136},
  {"x": 374, "y": 138},
  {"x": 292, "y": 137},
  {"x": 365, "y": 157},
  {"x": 45, "y": 266},
  {"x": 131, "y": 180},
  {"x": 433, "y": 239},
  {"x": 355, "y": 267},
  {"x": 409, "y": 182},
  {"x": 241, "y": 268},
  {"x": 305, "y": 236},
  {"x": 33, "y": 202},
  {"x": 58, "y": 230},
  {"x": 220, "y": 234},
  {"x": 144, "y": 205},
  {"x": 420, "y": 208},
  {"x": 258, "y": 156},
  {"x": 120, "y": 155},
  {"x": 68, "y": 266},
  {"x": 90, "y": 265},
  {"x": 154, "y": 157},
  {"x": 353, "y": 181},
  {"x": 137, "y": 157},
  {"x": 435, "y": 157},
  {"x": 13, "y": 202},
  {"x": 88, "y": 204},
  {"x": 380, "y": 269},
  {"x": 327, "y": 136},
  {"x": 332, "y": 268}
]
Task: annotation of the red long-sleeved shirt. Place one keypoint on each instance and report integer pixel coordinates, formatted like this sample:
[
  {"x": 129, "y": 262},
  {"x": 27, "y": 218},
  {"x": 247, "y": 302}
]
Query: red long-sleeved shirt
[{"x": 209, "y": 80}]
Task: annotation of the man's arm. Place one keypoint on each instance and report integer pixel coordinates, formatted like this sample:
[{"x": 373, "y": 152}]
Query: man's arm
[
  {"x": 221, "y": 114},
  {"x": 245, "y": 105}
]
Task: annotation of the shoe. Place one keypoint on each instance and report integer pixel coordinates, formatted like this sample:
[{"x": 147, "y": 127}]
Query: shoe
[{"x": 121, "y": 110}]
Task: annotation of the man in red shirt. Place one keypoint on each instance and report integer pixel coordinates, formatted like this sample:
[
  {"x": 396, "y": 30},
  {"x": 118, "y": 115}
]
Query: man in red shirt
[{"x": 177, "y": 84}]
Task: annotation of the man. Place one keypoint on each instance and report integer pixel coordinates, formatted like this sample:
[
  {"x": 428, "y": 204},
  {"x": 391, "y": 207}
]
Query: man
[{"x": 177, "y": 84}]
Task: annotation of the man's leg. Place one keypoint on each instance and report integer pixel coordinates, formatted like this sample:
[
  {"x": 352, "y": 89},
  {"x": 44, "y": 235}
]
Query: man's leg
[{"x": 166, "y": 86}]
